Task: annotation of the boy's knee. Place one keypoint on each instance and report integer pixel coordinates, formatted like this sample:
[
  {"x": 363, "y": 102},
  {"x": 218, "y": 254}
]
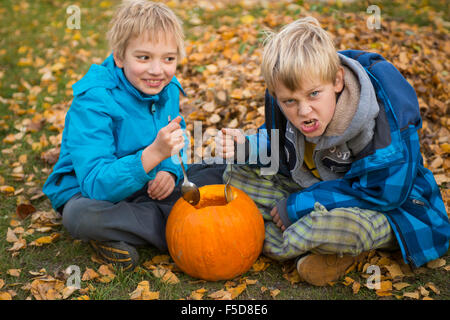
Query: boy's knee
[
  {"x": 343, "y": 227},
  {"x": 78, "y": 217}
]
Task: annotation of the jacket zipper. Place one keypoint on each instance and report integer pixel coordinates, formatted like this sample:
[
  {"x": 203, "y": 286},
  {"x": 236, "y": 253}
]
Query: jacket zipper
[
  {"x": 408, "y": 255},
  {"x": 152, "y": 114}
]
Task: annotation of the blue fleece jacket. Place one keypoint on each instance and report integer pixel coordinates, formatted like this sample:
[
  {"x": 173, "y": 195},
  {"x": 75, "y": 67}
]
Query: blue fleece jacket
[{"x": 107, "y": 127}]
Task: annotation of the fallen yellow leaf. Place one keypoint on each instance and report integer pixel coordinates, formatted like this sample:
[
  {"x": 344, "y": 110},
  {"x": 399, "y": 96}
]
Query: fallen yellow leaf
[
  {"x": 424, "y": 292},
  {"x": 164, "y": 258},
  {"x": 236, "y": 291},
  {"x": 47, "y": 288},
  {"x": 198, "y": 294},
  {"x": 38, "y": 273},
  {"x": 18, "y": 245},
  {"x": 229, "y": 284},
  {"x": 45, "y": 240},
  {"x": 366, "y": 265},
  {"x": 220, "y": 295},
  {"x": 14, "y": 272},
  {"x": 105, "y": 4},
  {"x": 170, "y": 278},
  {"x": 274, "y": 293},
  {"x": 149, "y": 265},
  {"x": 385, "y": 289},
  {"x": 159, "y": 272},
  {"x": 11, "y": 236},
  {"x": 247, "y": 19},
  {"x": 89, "y": 274},
  {"x": 436, "y": 263},
  {"x": 355, "y": 287},
  {"x": 14, "y": 223},
  {"x": 429, "y": 285},
  {"x": 260, "y": 265},
  {"x": 293, "y": 276},
  {"x": 67, "y": 291},
  {"x": 400, "y": 285},
  {"x": 445, "y": 147},
  {"x": 412, "y": 295},
  {"x": 143, "y": 292},
  {"x": 395, "y": 271},
  {"x": 137, "y": 294},
  {"x": 384, "y": 261},
  {"x": 348, "y": 281},
  {"x": 88, "y": 288},
  {"x": 25, "y": 62},
  {"x": 7, "y": 189},
  {"x": 250, "y": 281},
  {"x": 202, "y": 290},
  {"x": 105, "y": 270},
  {"x": 5, "y": 296},
  {"x": 105, "y": 279},
  {"x": 150, "y": 295}
]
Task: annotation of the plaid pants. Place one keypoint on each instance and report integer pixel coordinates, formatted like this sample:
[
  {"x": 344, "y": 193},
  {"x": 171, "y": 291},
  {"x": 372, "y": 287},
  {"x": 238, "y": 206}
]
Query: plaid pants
[{"x": 341, "y": 230}]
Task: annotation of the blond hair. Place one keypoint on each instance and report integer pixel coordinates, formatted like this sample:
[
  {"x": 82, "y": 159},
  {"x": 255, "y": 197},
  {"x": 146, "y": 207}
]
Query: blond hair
[
  {"x": 134, "y": 18},
  {"x": 301, "y": 51}
]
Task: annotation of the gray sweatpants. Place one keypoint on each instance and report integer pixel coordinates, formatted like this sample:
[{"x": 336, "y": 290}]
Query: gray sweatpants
[{"x": 138, "y": 219}]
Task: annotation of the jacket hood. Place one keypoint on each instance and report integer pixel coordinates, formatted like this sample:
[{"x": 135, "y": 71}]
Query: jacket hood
[{"x": 109, "y": 76}]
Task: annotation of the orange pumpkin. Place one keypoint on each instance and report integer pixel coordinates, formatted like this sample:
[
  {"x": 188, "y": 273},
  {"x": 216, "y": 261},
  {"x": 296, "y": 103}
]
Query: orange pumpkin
[{"x": 215, "y": 240}]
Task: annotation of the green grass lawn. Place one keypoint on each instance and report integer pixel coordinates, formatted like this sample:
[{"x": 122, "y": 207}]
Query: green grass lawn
[{"x": 40, "y": 58}]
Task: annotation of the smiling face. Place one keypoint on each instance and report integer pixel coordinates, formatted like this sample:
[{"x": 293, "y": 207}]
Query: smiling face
[
  {"x": 311, "y": 108},
  {"x": 149, "y": 65}
]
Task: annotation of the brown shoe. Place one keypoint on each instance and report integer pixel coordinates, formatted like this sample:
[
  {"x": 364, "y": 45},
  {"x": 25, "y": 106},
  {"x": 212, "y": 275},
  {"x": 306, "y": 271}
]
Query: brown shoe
[{"x": 320, "y": 269}]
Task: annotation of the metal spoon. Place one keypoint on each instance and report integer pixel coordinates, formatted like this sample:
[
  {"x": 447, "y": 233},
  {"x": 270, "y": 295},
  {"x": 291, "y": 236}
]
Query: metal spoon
[
  {"x": 228, "y": 192},
  {"x": 189, "y": 190}
]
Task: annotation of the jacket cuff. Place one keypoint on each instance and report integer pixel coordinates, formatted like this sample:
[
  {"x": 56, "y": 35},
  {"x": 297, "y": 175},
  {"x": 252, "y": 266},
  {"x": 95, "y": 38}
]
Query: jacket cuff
[
  {"x": 282, "y": 212},
  {"x": 138, "y": 171},
  {"x": 173, "y": 166}
]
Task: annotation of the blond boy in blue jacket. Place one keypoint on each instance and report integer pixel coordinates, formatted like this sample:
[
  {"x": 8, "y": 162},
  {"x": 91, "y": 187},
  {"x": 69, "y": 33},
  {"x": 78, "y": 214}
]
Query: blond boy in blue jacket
[{"x": 117, "y": 174}]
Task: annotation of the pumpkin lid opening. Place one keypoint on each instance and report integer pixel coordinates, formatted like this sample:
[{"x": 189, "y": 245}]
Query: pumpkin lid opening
[{"x": 211, "y": 200}]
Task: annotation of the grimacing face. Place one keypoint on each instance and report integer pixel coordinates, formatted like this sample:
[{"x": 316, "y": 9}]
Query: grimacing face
[
  {"x": 149, "y": 65},
  {"x": 311, "y": 108}
]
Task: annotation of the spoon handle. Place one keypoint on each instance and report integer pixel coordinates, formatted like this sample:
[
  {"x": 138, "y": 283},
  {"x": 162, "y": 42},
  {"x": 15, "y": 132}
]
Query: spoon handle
[
  {"x": 182, "y": 167},
  {"x": 179, "y": 156}
]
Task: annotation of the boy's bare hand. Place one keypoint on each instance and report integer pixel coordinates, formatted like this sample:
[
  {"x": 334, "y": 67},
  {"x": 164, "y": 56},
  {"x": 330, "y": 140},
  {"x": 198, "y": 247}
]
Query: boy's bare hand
[
  {"x": 162, "y": 186},
  {"x": 276, "y": 219},
  {"x": 225, "y": 142},
  {"x": 169, "y": 140}
]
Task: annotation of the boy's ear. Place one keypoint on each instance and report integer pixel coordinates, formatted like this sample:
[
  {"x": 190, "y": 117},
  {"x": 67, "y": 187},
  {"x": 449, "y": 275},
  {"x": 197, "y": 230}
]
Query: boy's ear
[
  {"x": 117, "y": 60},
  {"x": 339, "y": 82}
]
